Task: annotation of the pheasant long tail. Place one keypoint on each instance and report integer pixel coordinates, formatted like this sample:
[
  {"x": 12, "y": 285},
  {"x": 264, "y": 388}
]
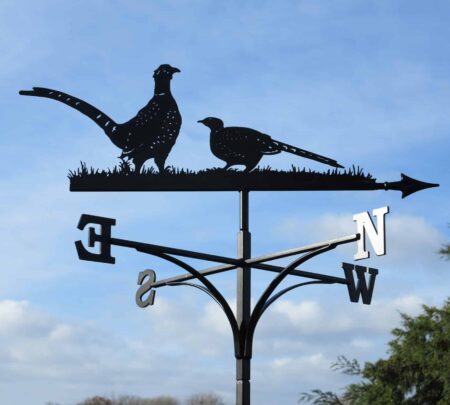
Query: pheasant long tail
[
  {"x": 306, "y": 154},
  {"x": 99, "y": 117}
]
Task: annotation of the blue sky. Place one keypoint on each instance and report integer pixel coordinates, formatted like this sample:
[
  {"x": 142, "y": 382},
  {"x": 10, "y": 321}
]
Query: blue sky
[{"x": 364, "y": 83}]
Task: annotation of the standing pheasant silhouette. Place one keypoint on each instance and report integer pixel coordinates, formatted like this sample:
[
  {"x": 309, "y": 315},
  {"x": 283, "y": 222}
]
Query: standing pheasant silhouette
[
  {"x": 246, "y": 146},
  {"x": 150, "y": 134}
]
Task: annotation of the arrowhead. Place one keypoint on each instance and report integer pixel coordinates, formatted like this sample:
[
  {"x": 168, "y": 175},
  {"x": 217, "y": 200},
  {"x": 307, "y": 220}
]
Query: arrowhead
[{"x": 408, "y": 185}]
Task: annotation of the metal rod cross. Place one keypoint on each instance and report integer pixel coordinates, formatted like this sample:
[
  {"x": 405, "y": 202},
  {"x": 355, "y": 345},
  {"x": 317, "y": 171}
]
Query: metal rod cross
[{"x": 244, "y": 323}]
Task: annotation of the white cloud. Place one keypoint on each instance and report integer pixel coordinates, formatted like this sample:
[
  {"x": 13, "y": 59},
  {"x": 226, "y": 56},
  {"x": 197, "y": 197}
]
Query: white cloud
[
  {"x": 35, "y": 346},
  {"x": 300, "y": 364},
  {"x": 183, "y": 335},
  {"x": 324, "y": 227},
  {"x": 299, "y": 313},
  {"x": 364, "y": 344},
  {"x": 216, "y": 319},
  {"x": 411, "y": 238},
  {"x": 313, "y": 317},
  {"x": 16, "y": 319}
]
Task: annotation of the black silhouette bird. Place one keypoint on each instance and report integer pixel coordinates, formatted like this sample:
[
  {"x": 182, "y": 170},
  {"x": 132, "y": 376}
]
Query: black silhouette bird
[
  {"x": 246, "y": 146},
  {"x": 150, "y": 134}
]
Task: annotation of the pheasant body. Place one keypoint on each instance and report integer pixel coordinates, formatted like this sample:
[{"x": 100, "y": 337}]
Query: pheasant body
[
  {"x": 246, "y": 146},
  {"x": 150, "y": 134}
]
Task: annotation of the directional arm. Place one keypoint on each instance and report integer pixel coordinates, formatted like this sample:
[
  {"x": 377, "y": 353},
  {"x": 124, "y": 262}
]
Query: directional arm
[
  {"x": 157, "y": 249},
  {"x": 257, "y": 263}
]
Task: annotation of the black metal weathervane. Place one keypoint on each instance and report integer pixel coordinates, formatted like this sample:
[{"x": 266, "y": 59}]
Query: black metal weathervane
[{"x": 151, "y": 134}]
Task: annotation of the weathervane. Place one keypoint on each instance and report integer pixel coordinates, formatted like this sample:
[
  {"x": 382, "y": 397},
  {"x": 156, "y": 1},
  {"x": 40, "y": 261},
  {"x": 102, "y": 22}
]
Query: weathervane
[{"x": 151, "y": 134}]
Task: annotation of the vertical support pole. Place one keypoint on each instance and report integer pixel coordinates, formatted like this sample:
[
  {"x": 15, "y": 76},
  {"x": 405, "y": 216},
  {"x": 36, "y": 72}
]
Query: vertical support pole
[{"x": 243, "y": 308}]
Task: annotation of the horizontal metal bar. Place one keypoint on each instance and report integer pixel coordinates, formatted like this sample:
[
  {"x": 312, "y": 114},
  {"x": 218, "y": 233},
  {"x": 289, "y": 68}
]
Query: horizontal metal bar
[
  {"x": 231, "y": 263},
  {"x": 302, "y": 273},
  {"x": 256, "y": 263},
  {"x": 303, "y": 249},
  {"x": 187, "y": 276},
  {"x": 152, "y": 249},
  {"x": 261, "y": 266},
  {"x": 223, "y": 180}
]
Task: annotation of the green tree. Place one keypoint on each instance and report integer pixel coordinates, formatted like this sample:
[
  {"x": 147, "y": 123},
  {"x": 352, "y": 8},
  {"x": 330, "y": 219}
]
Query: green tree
[
  {"x": 131, "y": 400},
  {"x": 97, "y": 401},
  {"x": 445, "y": 250},
  {"x": 205, "y": 399},
  {"x": 417, "y": 371}
]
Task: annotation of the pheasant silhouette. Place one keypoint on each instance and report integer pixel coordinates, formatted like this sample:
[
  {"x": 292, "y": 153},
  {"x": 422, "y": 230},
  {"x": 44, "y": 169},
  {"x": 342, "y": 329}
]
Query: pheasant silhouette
[
  {"x": 150, "y": 134},
  {"x": 246, "y": 146}
]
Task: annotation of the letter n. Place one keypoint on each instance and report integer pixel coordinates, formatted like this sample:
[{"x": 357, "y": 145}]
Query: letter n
[
  {"x": 360, "y": 289},
  {"x": 377, "y": 237}
]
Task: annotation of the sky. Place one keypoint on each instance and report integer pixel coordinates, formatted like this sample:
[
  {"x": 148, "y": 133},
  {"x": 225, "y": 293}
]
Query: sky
[{"x": 365, "y": 83}]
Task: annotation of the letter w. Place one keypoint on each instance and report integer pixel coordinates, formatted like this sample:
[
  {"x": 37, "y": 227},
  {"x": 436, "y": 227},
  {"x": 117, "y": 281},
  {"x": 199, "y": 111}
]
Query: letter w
[{"x": 360, "y": 289}]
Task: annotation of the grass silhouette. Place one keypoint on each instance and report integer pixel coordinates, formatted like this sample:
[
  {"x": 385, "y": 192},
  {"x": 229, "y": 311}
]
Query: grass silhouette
[{"x": 123, "y": 178}]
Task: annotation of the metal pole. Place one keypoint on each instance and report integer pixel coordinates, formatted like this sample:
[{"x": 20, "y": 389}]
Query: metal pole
[{"x": 243, "y": 308}]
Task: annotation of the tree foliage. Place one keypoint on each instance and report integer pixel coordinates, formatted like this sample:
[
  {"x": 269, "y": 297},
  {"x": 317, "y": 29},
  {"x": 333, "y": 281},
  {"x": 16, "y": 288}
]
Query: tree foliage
[
  {"x": 196, "y": 399},
  {"x": 445, "y": 250},
  {"x": 205, "y": 399},
  {"x": 97, "y": 401},
  {"x": 417, "y": 371},
  {"x": 131, "y": 400}
]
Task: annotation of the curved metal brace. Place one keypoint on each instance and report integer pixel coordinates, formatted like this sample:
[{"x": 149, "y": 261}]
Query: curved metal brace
[
  {"x": 259, "y": 307},
  {"x": 213, "y": 292},
  {"x": 200, "y": 287},
  {"x": 270, "y": 301}
]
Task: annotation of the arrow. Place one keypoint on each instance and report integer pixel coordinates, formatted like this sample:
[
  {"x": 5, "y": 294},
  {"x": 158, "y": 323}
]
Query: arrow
[
  {"x": 407, "y": 185},
  {"x": 262, "y": 180}
]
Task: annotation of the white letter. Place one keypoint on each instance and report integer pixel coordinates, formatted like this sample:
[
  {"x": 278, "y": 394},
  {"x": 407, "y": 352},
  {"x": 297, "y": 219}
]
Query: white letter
[
  {"x": 377, "y": 238},
  {"x": 145, "y": 287}
]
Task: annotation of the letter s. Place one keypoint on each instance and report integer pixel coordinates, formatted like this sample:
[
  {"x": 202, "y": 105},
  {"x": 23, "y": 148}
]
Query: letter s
[{"x": 145, "y": 287}]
